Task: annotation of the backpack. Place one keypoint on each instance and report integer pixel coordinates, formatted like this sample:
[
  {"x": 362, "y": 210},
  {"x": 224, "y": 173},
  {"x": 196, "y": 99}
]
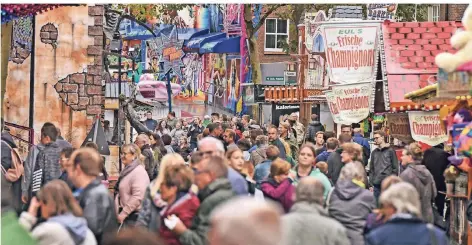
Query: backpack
[{"x": 16, "y": 170}]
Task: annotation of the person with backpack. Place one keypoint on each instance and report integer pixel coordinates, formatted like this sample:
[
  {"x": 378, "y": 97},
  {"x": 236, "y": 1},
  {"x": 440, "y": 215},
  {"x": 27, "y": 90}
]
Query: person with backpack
[
  {"x": 12, "y": 168},
  {"x": 313, "y": 127}
]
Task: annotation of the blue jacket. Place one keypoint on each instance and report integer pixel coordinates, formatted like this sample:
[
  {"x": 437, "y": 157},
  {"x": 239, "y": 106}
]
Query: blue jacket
[
  {"x": 261, "y": 171},
  {"x": 323, "y": 156},
  {"x": 365, "y": 145},
  {"x": 412, "y": 230},
  {"x": 238, "y": 183}
]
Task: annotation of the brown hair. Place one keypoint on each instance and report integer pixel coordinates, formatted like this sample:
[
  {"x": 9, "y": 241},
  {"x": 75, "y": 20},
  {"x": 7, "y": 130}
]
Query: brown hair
[
  {"x": 278, "y": 167},
  {"x": 380, "y": 132},
  {"x": 255, "y": 133},
  {"x": 88, "y": 159},
  {"x": 272, "y": 152},
  {"x": 344, "y": 138},
  {"x": 57, "y": 193},
  {"x": 332, "y": 143},
  {"x": 310, "y": 146},
  {"x": 319, "y": 132},
  {"x": 134, "y": 236},
  {"x": 231, "y": 151},
  {"x": 354, "y": 149},
  {"x": 206, "y": 132},
  {"x": 414, "y": 150},
  {"x": 389, "y": 181},
  {"x": 179, "y": 176},
  {"x": 231, "y": 133},
  {"x": 323, "y": 166},
  {"x": 91, "y": 145}
]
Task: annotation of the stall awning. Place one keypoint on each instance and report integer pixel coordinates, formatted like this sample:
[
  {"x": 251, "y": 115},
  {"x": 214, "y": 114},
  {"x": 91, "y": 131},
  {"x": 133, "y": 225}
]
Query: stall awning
[
  {"x": 133, "y": 31},
  {"x": 222, "y": 46},
  {"x": 410, "y": 49},
  {"x": 198, "y": 42}
]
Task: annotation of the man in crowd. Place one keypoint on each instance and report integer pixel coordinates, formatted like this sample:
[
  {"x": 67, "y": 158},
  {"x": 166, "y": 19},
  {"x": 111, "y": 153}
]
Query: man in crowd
[
  {"x": 313, "y": 127},
  {"x": 47, "y": 165},
  {"x": 245, "y": 121},
  {"x": 228, "y": 137},
  {"x": 194, "y": 130},
  {"x": 359, "y": 139},
  {"x": 210, "y": 146},
  {"x": 171, "y": 119},
  {"x": 331, "y": 146},
  {"x": 334, "y": 160},
  {"x": 214, "y": 189},
  {"x": 320, "y": 142},
  {"x": 143, "y": 142},
  {"x": 308, "y": 214},
  {"x": 298, "y": 127},
  {"x": 61, "y": 142},
  {"x": 92, "y": 195},
  {"x": 230, "y": 227},
  {"x": 274, "y": 139},
  {"x": 384, "y": 162},
  {"x": 150, "y": 123},
  {"x": 215, "y": 117},
  {"x": 215, "y": 131}
]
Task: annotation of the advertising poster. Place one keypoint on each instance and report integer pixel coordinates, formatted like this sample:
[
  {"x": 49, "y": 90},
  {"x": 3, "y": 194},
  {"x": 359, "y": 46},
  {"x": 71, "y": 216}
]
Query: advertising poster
[
  {"x": 353, "y": 101},
  {"x": 399, "y": 126},
  {"x": 426, "y": 127},
  {"x": 282, "y": 110},
  {"x": 333, "y": 107},
  {"x": 382, "y": 11},
  {"x": 248, "y": 93},
  {"x": 351, "y": 51}
]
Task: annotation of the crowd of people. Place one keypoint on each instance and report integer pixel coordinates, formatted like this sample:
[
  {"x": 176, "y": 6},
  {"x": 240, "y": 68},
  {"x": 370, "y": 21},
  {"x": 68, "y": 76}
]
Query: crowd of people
[{"x": 224, "y": 180}]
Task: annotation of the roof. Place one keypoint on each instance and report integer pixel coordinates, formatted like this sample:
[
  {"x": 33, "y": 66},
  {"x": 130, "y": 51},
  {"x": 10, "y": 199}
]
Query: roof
[
  {"x": 347, "y": 12},
  {"x": 410, "y": 49}
]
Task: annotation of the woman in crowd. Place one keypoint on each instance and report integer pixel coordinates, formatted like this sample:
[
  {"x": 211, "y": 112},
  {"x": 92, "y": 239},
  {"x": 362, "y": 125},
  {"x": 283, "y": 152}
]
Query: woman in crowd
[
  {"x": 162, "y": 128},
  {"x": 238, "y": 129},
  {"x": 64, "y": 162},
  {"x": 259, "y": 155},
  {"x": 177, "y": 133},
  {"x": 289, "y": 141},
  {"x": 351, "y": 152},
  {"x": 254, "y": 133},
  {"x": 167, "y": 140},
  {"x": 350, "y": 202},
  {"x": 64, "y": 224},
  {"x": 305, "y": 167},
  {"x": 131, "y": 185},
  {"x": 157, "y": 147},
  {"x": 236, "y": 161},
  {"x": 175, "y": 191},
  {"x": 376, "y": 218},
  {"x": 149, "y": 215},
  {"x": 419, "y": 176},
  {"x": 183, "y": 148},
  {"x": 278, "y": 186},
  {"x": 401, "y": 209}
]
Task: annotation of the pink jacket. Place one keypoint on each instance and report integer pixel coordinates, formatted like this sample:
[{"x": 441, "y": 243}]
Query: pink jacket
[{"x": 131, "y": 191}]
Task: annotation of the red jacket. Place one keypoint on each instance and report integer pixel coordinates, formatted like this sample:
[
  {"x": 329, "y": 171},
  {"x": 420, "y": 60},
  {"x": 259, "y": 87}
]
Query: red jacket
[{"x": 184, "y": 208}]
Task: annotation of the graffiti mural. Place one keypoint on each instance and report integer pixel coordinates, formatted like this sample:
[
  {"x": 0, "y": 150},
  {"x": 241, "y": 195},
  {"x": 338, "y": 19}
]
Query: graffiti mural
[
  {"x": 192, "y": 86},
  {"x": 316, "y": 71},
  {"x": 22, "y": 37},
  {"x": 217, "y": 86}
]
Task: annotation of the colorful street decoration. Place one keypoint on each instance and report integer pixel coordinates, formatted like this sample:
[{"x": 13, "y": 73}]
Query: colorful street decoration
[
  {"x": 13, "y": 11},
  {"x": 170, "y": 50},
  {"x": 351, "y": 51},
  {"x": 399, "y": 126},
  {"x": 352, "y": 102},
  {"x": 426, "y": 127}
]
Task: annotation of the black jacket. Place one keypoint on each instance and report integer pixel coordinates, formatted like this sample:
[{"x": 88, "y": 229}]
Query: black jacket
[
  {"x": 383, "y": 163},
  {"x": 98, "y": 209},
  {"x": 193, "y": 132},
  {"x": 335, "y": 165},
  {"x": 313, "y": 128},
  {"x": 149, "y": 163}
]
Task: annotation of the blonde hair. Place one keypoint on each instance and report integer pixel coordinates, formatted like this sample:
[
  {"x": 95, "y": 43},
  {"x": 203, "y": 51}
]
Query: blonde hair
[
  {"x": 278, "y": 167},
  {"x": 168, "y": 160},
  {"x": 414, "y": 150},
  {"x": 354, "y": 149}
]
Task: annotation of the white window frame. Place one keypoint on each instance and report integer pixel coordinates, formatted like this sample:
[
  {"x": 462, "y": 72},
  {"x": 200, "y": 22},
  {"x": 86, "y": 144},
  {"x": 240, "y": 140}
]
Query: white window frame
[
  {"x": 434, "y": 13},
  {"x": 271, "y": 33}
]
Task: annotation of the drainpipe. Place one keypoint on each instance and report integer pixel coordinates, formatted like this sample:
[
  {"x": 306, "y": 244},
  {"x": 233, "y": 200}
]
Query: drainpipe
[{"x": 31, "y": 92}]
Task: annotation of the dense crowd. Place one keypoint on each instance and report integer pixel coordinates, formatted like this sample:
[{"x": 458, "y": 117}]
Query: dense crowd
[{"x": 225, "y": 180}]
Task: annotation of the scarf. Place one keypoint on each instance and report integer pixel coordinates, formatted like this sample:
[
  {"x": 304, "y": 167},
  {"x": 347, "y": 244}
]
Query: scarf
[
  {"x": 127, "y": 170},
  {"x": 359, "y": 183}
]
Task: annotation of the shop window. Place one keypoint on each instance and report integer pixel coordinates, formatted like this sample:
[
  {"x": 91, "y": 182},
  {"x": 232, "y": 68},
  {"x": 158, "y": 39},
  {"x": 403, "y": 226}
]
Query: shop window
[
  {"x": 276, "y": 34},
  {"x": 433, "y": 12}
]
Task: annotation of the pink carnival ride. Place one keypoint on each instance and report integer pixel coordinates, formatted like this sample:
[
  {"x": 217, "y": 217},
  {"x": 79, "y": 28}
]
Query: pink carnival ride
[{"x": 155, "y": 90}]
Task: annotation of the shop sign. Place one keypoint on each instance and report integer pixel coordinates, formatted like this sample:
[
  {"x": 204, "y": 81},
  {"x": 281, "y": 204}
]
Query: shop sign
[
  {"x": 333, "y": 107},
  {"x": 282, "y": 110},
  {"x": 248, "y": 93},
  {"x": 426, "y": 127},
  {"x": 351, "y": 51},
  {"x": 274, "y": 79},
  {"x": 383, "y": 11},
  {"x": 353, "y": 101},
  {"x": 399, "y": 126},
  {"x": 273, "y": 73}
]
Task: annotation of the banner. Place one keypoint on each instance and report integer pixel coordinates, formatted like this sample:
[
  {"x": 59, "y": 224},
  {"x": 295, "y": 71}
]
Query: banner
[
  {"x": 426, "y": 127},
  {"x": 333, "y": 107},
  {"x": 351, "y": 51},
  {"x": 399, "y": 126},
  {"x": 353, "y": 101},
  {"x": 283, "y": 110},
  {"x": 384, "y": 11}
]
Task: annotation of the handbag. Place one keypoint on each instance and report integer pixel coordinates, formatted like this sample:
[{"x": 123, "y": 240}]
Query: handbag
[{"x": 16, "y": 170}]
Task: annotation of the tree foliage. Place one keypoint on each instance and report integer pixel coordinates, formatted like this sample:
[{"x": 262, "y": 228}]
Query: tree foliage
[{"x": 146, "y": 12}]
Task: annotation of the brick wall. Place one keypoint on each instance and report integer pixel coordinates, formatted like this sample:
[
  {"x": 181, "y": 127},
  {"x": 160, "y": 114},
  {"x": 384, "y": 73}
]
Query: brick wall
[
  {"x": 452, "y": 12},
  {"x": 267, "y": 57}
]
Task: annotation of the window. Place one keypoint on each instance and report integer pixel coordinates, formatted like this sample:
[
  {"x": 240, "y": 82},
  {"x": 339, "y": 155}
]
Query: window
[
  {"x": 276, "y": 33},
  {"x": 433, "y": 13}
]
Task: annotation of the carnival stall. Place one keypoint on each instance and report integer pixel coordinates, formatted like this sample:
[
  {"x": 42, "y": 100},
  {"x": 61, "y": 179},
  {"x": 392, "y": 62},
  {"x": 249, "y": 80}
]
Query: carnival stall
[{"x": 452, "y": 95}]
